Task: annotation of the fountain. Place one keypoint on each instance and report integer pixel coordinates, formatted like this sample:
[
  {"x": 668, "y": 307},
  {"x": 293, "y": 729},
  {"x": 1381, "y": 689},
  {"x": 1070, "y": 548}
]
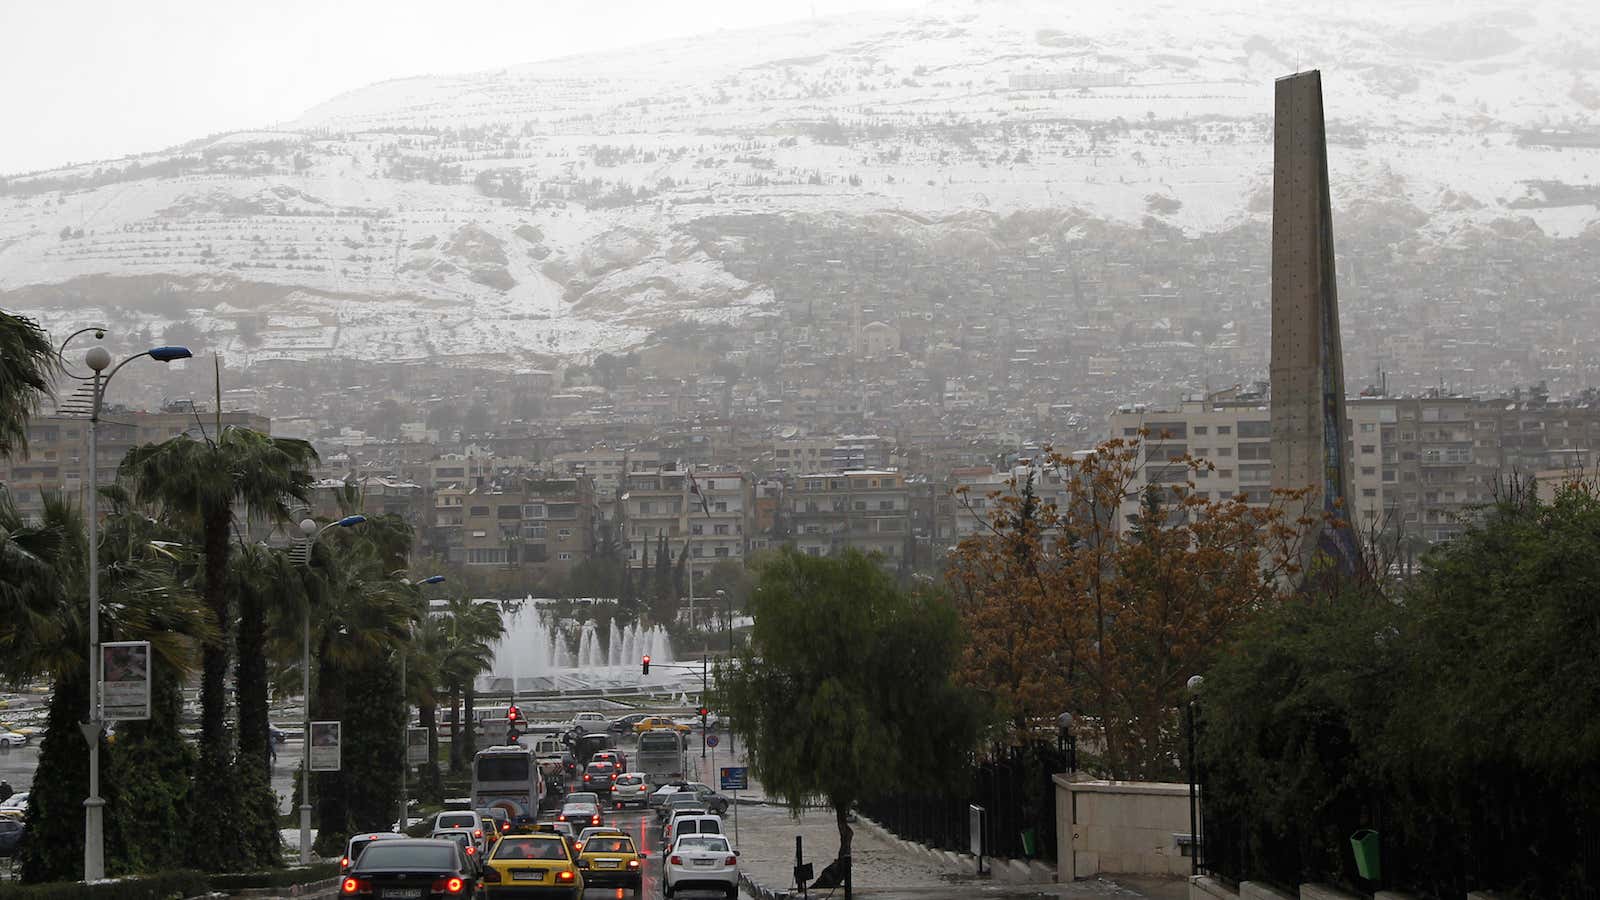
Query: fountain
[{"x": 539, "y": 653}]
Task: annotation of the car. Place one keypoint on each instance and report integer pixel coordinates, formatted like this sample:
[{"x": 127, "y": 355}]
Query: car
[
  {"x": 690, "y": 823},
  {"x": 591, "y": 831},
  {"x": 589, "y": 723},
  {"x": 465, "y": 820},
  {"x": 677, "y": 802},
  {"x": 598, "y": 776},
  {"x": 421, "y": 868},
  {"x": 660, "y": 794},
  {"x": 562, "y": 828},
  {"x": 462, "y": 838},
  {"x": 579, "y": 813},
  {"x": 630, "y": 788},
  {"x": 11, "y": 833},
  {"x": 651, "y": 723},
  {"x": 611, "y": 860},
  {"x": 624, "y": 724},
  {"x": 12, "y": 739},
  {"x": 534, "y": 865},
  {"x": 704, "y": 862},
  {"x": 15, "y": 806},
  {"x": 491, "y": 829},
  {"x": 714, "y": 801},
  {"x": 613, "y": 756},
  {"x": 358, "y": 843},
  {"x": 502, "y": 819}
]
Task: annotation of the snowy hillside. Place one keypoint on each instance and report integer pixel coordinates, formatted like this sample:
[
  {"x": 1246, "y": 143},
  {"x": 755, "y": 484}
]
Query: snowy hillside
[{"x": 544, "y": 211}]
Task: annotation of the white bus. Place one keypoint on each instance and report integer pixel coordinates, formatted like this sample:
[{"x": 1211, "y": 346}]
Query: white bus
[
  {"x": 660, "y": 756},
  {"x": 508, "y": 778}
]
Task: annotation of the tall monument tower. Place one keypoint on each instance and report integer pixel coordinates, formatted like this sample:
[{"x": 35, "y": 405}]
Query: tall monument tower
[{"x": 1309, "y": 429}]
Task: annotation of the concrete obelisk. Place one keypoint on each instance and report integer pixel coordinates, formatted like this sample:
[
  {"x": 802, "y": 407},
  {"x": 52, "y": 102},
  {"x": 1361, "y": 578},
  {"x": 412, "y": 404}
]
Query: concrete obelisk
[{"x": 1309, "y": 430}]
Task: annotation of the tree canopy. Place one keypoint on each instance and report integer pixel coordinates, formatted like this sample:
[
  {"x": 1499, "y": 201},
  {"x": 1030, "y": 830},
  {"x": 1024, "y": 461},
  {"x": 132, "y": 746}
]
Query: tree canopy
[{"x": 845, "y": 690}]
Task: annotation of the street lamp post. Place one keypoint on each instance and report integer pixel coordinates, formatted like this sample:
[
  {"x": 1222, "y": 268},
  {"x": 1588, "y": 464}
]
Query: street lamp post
[
  {"x": 728, "y": 624},
  {"x": 405, "y": 723},
  {"x": 308, "y": 528},
  {"x": 1194, "y": 683},
  {"x": 99, "y": 359}
]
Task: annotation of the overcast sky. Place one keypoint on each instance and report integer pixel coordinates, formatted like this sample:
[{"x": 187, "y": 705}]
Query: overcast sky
[{"x": 84, "y": 80}]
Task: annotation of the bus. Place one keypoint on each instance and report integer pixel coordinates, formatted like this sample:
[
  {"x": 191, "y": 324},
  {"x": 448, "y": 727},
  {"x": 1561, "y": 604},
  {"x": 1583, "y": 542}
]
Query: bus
[
  {"x": 509, "y": 778},
  {"x": 660, "y": 756}
]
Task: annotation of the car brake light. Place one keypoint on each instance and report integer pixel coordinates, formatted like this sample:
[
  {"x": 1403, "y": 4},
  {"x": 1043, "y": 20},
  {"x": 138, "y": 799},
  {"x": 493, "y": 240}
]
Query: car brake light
[
  {"x": 578, "y": 846},
  {"x": 594, "y": 820},
  {"x": 351, "y": 886},
  {"x": 471, "y": 851},
  {"x": 478, "y": 833},
  {"x": 449, "y": 885},
  {"x": 505, "y": 826},
  {"x": 587, "y": 778},
  {"x": 561, "y": 818},
  {"x": 731, "y": 861},
  {"x": 676, "y": 860},
  {"x": 633, "y": 864},
  {"x": 344, "y": 863}
]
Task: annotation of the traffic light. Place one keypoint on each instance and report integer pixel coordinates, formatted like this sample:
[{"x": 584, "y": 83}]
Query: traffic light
[
  {"x": 703, "y": 712},
  {"x": 646, "y": 663},
  {"x": 513, "y": 721},
  {"x": 513, "y": 714}
]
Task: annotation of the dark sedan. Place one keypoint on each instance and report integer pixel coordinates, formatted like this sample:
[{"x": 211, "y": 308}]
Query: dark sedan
[{"x": 411, "y": 869}]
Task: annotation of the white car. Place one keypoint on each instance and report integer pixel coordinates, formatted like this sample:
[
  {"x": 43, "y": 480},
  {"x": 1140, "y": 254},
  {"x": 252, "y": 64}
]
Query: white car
[
  {"x": 702, "y": 862},
  {"x": 590, "y": 723},
  {"x": 12, "y": 739}
]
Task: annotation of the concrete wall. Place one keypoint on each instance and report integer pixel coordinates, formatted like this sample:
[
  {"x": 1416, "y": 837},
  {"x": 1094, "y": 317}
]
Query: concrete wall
[{"x": 1120, "y": 828}]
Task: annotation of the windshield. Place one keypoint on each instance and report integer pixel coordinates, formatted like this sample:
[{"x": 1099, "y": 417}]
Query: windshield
[
  {"x": 704, "y": 843},
  {"x": 386, "y": 857},
  {"x": 608, "y": 845},
  {"x": 503, "y": 768},
  {"x": 457, "y": 820},
  {"x": 588, "y": 797},
  {"x": 531, "y": 848}
]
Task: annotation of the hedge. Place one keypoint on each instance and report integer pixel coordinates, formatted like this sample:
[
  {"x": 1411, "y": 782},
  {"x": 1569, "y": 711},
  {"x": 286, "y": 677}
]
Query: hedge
[
  {"x": 160, "y": 886},
  {"x": 167, "y": 885}
]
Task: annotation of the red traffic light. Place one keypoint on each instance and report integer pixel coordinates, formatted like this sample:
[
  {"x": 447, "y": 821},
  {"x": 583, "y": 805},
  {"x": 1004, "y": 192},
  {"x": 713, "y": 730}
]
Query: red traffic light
[
  {"x": 512, "y": 714},
  {"x": 703, "y": 712},
  {"x": 646, "y": 664}
]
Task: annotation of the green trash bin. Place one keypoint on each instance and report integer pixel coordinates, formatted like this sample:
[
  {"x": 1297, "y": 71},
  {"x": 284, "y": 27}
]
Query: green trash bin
[
  {"x": 1364, "y": 844},
  {"x": 1028, "y": 841}
]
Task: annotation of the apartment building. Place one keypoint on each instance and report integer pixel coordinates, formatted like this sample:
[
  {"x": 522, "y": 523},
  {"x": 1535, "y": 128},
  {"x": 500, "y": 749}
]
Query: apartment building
[
  {"x": 1232, "y": 430},
  {"x": 663, "y": 502},
  {"x": 867, "y": 509},
  {"x": 57, "y": 458},
  {"x": 606, "y": 466},
  {"x": 545, "y": 526}
]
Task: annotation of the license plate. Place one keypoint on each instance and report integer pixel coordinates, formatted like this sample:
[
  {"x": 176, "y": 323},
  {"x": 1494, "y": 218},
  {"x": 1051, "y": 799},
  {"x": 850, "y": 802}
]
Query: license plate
[
  {"x": 402, "y": 893},
  {"x": 607, "y": 863},
  {"x": 527, "y": 875},
  {"x": 705, "y": 862}
]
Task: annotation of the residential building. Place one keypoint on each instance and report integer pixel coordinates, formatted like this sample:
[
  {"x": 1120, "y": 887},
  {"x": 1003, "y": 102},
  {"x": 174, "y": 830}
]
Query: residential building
[
  {"x": 57, "y": 458},
  {"x": 661, "y": 502},
  {"x": 867, "y": 509}
]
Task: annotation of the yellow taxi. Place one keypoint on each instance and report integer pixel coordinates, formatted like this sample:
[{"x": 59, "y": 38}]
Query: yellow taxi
[
  {"x": 611, "y": 860},
  {"x": 541, "y": 864},
  {"x": 652, "y": 723},
  {"x": 491, "y": 831}
]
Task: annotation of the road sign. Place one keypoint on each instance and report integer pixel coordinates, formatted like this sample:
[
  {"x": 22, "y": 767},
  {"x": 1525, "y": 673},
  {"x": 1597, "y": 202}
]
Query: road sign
[
  {"x": 712, "y": 740},
  {"x": 735, "y": 778},
  {"x": 325, "y": 739}
]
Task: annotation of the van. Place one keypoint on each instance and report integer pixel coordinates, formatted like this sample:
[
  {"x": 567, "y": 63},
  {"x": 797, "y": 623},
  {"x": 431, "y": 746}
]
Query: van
[{"x": 703, "y": 823}]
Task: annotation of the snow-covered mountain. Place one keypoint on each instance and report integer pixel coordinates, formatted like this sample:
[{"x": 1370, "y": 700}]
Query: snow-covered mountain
[{"x": 543, "y": 211}]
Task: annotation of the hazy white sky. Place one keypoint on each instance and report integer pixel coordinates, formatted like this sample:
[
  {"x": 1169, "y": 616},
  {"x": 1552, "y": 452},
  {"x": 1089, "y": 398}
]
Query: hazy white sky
[{"x": 83, "y": 80}]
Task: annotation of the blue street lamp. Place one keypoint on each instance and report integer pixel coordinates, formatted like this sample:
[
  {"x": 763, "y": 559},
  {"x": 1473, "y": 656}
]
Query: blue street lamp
[
  {"x": 309, "y": 528},
  {"x": 99, "y": 359}
]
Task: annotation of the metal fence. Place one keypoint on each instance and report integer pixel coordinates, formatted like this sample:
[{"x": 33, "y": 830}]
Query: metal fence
[{"x": 1014, "y": 787}]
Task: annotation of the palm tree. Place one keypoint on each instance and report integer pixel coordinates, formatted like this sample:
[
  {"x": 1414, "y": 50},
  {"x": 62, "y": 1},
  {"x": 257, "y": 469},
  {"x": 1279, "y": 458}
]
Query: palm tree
[
  {"x": 425, "y": 672},
  {"x": 143, "y": 599},
  {"x": 196, "y": 484},
  {"x": 26, "y": 361},
  {"x": 471, "y": 629}
]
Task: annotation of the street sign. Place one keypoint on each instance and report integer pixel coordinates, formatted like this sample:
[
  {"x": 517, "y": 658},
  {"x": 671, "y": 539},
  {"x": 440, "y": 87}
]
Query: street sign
[
  {"x": 735, "y": 778},
  {"x": 125, "y": 680},
  {"x": 324, "y": 746},
  {"x": 416, "y": 746},
  {"x": 975, "y": 815},
  {"x": 712, "y": 740}
]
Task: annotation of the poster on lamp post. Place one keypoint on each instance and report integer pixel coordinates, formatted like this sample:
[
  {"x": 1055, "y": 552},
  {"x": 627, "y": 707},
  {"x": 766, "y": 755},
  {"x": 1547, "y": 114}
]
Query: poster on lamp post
[
  {"x": 416, "y": 746},
  {"x": 324, "y": 746},
  {"x": 125, "y": 680}
]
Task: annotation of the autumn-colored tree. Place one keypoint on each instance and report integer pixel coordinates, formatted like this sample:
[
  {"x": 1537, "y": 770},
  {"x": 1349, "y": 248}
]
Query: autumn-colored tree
[{"x": 1095, "y": 590}]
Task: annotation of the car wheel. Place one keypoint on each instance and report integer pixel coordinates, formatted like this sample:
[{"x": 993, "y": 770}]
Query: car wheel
[
  {"x": 666, "y": 890},
  {"x": 733, "y": 891}
]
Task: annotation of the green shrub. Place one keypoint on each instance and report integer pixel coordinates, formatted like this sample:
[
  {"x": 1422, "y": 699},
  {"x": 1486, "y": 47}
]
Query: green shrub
[{"x": 159, "y": 886}]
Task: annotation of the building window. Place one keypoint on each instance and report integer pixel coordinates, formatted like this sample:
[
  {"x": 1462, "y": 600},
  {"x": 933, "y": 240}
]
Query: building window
[
  {"x": 560, "y": 556},
  {"x": 533, "y": 511},
  {"x": 1366, "y": 427},
  {"x": 1365, "y": 492},
  {"x": 719, "y": 551},
  {"x": 696, "y": 528},
  {"x": 533, "y": 532},
  {"x": 1224, "y": 429},
  {"x": 1369, "y": 470},
  {"x": 1368, "y": 449},
  {"x": 563, "y": 533},
  {"x": 720, "y": 529},
  {"x": 861, "y": 505},
  {"x": 1224, "y": 451},
  {"x": 478, "y": 511},
  {"x": 1200, "y": 429},
  {"x": 695, "y": 551}
]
